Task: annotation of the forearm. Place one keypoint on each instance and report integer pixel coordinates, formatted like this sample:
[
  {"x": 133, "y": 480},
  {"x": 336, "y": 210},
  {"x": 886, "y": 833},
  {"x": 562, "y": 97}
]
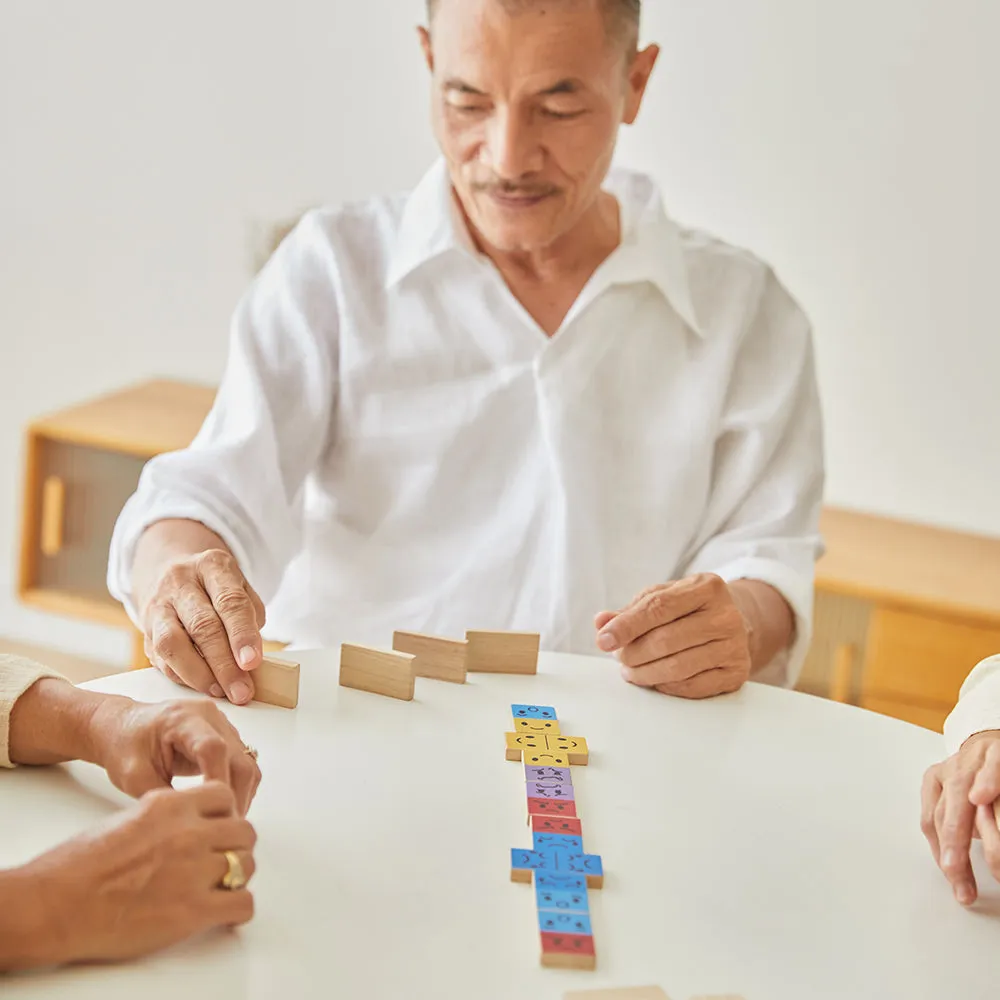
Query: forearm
[
  {"x": 160, "y": 545},
  {"x": 53, "y": 722},
  {"x": 770, "y": 620}
]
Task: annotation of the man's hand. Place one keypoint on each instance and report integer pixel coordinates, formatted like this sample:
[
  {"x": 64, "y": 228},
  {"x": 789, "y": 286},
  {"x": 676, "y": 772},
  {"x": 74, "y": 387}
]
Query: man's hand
[
  {"x": 957, "y": 805},
  {"x": 144, "y": 747},
  {"x": 202, "y": 623},
  {"x": 147, "y": 880},
  {"x": 689, "y": 639}
]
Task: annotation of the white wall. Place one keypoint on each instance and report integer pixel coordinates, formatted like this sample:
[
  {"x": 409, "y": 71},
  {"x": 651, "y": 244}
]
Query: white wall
[{"x": 852, "y": 143}]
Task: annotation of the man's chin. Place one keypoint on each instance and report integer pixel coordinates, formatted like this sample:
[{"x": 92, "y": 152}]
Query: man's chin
[{"x": 520, "y": 236}]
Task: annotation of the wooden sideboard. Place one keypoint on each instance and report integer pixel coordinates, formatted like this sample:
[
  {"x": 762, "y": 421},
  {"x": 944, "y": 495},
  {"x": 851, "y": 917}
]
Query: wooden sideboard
[{"x": 903, "y": 611}]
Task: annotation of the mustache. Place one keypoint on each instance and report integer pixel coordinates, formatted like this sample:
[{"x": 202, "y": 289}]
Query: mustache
[{"x": 511, "y": 189}]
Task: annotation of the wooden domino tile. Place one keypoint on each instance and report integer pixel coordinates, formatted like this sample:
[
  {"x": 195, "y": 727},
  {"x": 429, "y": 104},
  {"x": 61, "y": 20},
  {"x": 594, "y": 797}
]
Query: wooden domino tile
[
  {"x": 377, "y": 671},
  {"x": 557, "y": 862},
  {"x": 438, "y": 659},
  {"x": 276, "y": 682},
  {"x": 503, "y": 652}
]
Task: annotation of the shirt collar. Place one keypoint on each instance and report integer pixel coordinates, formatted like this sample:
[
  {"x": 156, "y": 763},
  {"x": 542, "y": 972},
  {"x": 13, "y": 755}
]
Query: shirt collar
[{"x": 651, "y": 250}]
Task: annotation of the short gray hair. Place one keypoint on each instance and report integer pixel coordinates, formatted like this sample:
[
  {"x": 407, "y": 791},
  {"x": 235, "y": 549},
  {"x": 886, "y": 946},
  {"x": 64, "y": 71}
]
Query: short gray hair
[{"x": 623, "y": 15}]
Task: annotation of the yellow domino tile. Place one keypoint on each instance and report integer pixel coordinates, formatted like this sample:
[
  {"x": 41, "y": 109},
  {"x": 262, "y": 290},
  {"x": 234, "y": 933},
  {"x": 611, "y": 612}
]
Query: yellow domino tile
[
  {"x": 575, "y": 747},
  {"x": 526, "y": 741},
  {"x": 541, "y": 727}
]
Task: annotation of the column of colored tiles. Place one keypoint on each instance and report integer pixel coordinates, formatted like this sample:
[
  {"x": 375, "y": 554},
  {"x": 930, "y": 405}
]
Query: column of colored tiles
[{"x": 561, "y": 870}]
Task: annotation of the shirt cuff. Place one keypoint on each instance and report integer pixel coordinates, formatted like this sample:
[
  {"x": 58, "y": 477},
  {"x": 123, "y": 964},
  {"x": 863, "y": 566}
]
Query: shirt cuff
[
  {"x": 797, "y": 590},
  {"x": 141, "y": 513},
  {"x": 17, "y": 675},
  {"x": 978, "y": 708}
]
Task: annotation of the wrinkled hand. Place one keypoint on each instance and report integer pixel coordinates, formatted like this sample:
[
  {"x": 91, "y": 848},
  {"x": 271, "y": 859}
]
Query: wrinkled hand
[
  {"x": 202, "y": 626},
  {"x": 144, "y": 747},
  {"x": 957, "y": 805},
  {"x": 145, "y": 881},
  {"x": 688, "y": 639}
]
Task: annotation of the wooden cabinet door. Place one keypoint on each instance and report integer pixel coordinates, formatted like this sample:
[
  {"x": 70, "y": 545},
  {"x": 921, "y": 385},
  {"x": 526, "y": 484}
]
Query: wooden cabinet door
[
  {"x": 75, "y": 495},
  {"x": 921, "y": 661}
]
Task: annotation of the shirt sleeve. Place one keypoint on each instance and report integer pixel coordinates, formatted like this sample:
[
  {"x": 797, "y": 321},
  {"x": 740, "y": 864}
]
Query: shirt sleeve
[
  {"x": 17, "y": 675},
  {"x": 762, "y": 519},
  {"x": 243, "y": 477},
  {"x": 978, "y": 708}
]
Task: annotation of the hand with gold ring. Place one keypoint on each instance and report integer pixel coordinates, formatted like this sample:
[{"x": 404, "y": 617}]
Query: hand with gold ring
[
  {"x": 174, "y": 865},
  {"x": 144, "y": 747}
]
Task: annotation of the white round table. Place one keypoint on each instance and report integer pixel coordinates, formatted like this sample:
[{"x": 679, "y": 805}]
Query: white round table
[{"x": 765, "y": 844}]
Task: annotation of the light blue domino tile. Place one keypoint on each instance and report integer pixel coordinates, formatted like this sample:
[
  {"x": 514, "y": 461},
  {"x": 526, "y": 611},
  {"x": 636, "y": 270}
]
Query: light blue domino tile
[
  {"x": 555, "y": 921},
  {"x": 561, "y": 882},
  {"x": 562, "y": 900},
  {"x": 533, "y": 711},
  {"x": 558, "y": 842}
]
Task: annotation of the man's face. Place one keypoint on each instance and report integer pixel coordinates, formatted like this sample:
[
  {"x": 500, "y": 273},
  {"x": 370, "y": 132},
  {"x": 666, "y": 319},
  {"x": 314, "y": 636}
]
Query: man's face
[{"x": 527, "y": 108}]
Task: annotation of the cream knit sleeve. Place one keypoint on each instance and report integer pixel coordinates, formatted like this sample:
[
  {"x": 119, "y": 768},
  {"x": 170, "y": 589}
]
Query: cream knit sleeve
[
  {"x": 978, "y": 708},
  {"x": 16, "y": 676}
]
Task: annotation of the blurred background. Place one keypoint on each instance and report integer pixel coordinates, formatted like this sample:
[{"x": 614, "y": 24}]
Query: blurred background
[{"x": 149, "y": 152}]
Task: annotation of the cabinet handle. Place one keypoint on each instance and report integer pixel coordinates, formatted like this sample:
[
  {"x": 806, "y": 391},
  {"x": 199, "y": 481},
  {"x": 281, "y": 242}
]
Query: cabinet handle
[
  {"x": 53, "y": 515},
  {"x": 842, "y": 681}
]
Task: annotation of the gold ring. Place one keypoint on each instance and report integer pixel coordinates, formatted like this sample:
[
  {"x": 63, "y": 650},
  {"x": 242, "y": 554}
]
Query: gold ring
[
  {"x": 235, "y": 878},
  {"x": 250, "y": 752}
]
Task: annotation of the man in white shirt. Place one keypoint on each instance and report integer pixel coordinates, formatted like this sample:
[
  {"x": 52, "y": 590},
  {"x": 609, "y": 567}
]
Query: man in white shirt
[
  {"x": 511, "y": 400},
  {"x": 961, "y": 795}
]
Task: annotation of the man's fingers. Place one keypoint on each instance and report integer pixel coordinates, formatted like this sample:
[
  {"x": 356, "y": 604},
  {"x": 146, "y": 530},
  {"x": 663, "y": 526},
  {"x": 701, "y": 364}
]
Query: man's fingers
[
  {"x": 660, "y": 606},
  {"x": 199, "y": 617},
  {"x": 605, "y": 618},
  {"x": 986, "y": 820},
  {"x": 687, "y": 634},
  {"x": 986, "y": 788},
  {"x": 709, "y": 684},
  {"x": 956, "y": 818},
  {"x": 258, "y": 605},
  {"x": 681, "y": 667},
  {"x": 227, "y": 590},
  {"x": 172, "y": 649},
  {"x": 930, "y": 794}
]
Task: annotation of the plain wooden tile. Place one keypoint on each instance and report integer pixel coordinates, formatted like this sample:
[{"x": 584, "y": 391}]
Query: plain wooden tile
[
  {"x": 378, "y": 671},
  {"x": 502, "y": 652},
  {"x": 277, "y": 683},
  {"x": 438, "y": 659}
]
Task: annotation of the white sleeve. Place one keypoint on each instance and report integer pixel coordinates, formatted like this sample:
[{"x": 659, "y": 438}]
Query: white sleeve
[
  {"x": 978, "y": 708},
  {"x": 762, "y": 519},
  {"x": 243, "y": 476}
]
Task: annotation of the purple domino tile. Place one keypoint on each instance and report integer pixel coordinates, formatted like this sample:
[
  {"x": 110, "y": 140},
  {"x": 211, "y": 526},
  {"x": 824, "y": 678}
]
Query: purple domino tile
[
  {"x": 537, "y": 791},
  {"x": 548, "y": 775}
]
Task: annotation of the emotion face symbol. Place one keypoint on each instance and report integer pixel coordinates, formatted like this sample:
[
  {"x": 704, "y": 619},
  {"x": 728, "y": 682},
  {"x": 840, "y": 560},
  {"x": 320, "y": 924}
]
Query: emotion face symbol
[
  {"x": 544, "y": 758},
  {"x": 548, "y": 775},
  {"x": 533, "y": 712},
  {"x": 551, "y": 807},
  {"x": 537, "y": 726},
  {"x": 556, "y": 824},
  {"x": 562, "y": 900},
  {"x": 558, "y": 842},
  {"x": 553, "y": 882},
  {"x": 537, "y": 791},
  {"x": 566, "y": 923}
]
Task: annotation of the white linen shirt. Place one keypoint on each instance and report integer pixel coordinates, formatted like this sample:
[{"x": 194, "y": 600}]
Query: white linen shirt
[
  {"x": 978, "y": 708},
  {"x": 396, "y": 444}
]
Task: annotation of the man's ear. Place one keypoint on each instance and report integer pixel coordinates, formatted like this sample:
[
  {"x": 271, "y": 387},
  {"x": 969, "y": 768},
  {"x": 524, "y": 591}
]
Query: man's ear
[
  {"x": 425, "y": 44},
  {"x": 639, "y": 73}
]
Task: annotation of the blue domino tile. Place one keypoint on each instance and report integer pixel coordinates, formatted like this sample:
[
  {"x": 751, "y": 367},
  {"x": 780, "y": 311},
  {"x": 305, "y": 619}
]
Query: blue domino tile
[
  {"x": 551, "y": 921},
  {"x": 561, "y": 899},
  {"x": 566, "y": 842},
  {"x": 533, "y": 711},
  {"x": 555, "y": 882},
  {"x": 521, "y": 860},
  {"x": 548, "y": 775},
  {"x": 588, "y": 864}
]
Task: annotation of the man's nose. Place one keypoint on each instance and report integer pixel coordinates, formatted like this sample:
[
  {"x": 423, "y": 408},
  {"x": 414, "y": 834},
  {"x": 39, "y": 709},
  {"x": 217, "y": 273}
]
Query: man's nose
[{"x": 512, "y": 147}]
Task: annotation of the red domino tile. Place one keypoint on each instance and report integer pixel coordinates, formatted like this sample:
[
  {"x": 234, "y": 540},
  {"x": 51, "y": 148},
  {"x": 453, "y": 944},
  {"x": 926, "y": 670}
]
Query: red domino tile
[
  {"x": 541, "y": 823},
  {"x": 554, "y": 943},
  {"x": 552, "y": 807}
]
